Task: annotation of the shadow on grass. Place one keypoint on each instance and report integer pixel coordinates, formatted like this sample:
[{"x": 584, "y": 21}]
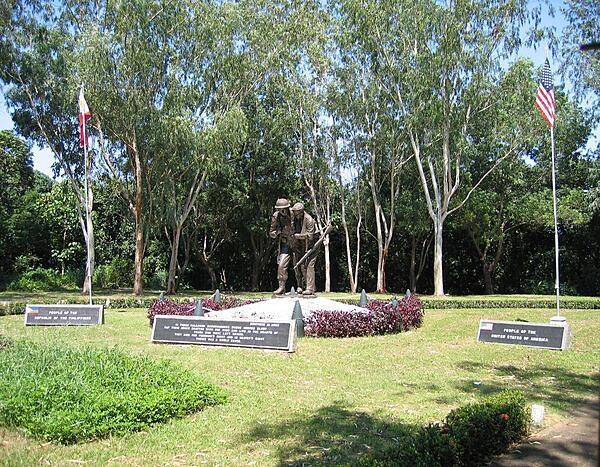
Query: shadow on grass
[
  {"x": 335, "y": 435},
  {"x": 558, "y": 386}
]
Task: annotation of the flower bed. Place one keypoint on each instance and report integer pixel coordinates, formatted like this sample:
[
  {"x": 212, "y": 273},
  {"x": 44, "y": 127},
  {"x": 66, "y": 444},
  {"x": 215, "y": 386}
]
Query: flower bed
[{"x": 381, "y": 318}]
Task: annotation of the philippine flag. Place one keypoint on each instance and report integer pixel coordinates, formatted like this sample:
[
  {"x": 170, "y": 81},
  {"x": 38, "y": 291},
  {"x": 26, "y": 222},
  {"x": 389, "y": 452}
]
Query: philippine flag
[{"x": 84, "y": 116}]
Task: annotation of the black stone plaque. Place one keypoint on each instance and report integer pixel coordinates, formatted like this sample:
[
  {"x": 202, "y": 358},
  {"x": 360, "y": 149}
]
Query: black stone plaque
[
  {"x": 64, "y": 315},
  {"x": 546, "y": 336},
  {"x": 202, "y": 330}
]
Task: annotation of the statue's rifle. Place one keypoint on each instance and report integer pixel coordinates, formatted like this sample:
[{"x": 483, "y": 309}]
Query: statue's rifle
[{"x": 314, "y": 248}]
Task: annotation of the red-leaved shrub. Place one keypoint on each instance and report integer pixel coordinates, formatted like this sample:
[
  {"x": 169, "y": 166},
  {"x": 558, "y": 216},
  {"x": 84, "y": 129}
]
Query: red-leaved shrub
[
  {"x": 409, "y": 310},
  {"x": 381, "y": 318},
  {"x": 170, "y": 307}
]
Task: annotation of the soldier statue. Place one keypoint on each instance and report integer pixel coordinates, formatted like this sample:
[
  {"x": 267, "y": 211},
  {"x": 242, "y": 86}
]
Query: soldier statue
[
  {"x": 281, "y": 229},
  {"x": 303, "y": 229}
]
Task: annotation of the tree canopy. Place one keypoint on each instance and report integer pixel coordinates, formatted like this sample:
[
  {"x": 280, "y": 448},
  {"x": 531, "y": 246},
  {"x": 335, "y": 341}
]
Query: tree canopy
[{"x": 409, "y": 125}]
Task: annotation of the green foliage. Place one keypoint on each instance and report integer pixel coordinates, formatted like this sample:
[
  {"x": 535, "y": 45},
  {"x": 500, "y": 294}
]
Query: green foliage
[
  {"x": 470, "y": 434},
  {"x": 43, "y": 280},
  {"x": 16, "y": 169},
  {"x": 507, "y": 301},
  {"x": 69, "y": 395},
  {"x": 114, "y": 275},
  {"x": 582, "y": 68},
  {"x": 498, "y": 302},
  {"x": 486, "y": 428},
  {"x": 247, "y": 101}
]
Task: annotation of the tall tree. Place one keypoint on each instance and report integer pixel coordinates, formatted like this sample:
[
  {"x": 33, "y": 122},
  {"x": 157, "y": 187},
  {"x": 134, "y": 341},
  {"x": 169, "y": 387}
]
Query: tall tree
[
  {"x": 443, "y": 68},
  {"x": 150, "y": 69},
  {"x": 582, "y": 67},
  {"x": 42, "y": 96},
  {"x": 371, "y": 126},
  {"x": 16, "y": 177}
]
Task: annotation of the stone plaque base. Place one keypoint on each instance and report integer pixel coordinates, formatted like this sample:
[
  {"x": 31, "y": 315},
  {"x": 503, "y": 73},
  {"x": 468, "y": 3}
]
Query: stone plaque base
[
  {"x": 64, "y": 315},
  {"x": 261, "y": 334},
  {"x": 545, "y": 336}
]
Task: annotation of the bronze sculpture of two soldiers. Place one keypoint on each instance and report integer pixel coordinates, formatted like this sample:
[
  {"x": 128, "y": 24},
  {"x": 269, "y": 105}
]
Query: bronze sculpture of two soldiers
[{"x": 295, "y": 230}]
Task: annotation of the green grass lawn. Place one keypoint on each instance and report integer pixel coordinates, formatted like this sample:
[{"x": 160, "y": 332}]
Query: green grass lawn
[{"x": 332, "y": 399}]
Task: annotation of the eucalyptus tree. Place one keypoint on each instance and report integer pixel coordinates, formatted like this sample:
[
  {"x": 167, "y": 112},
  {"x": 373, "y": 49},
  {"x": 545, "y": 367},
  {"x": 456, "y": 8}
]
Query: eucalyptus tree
[
  {"x": 305, "y": 96},
  {"x": 187, "y": 172},
  {"x": 37, "y": 48},
  {"x": 415, "y": 226},
  {"x": 351, "y": 195},
  {"x": 314, "y": 160},
  {"x": 149, "y": 70},
  {"x": 263, "y": 171},
  {"x": 280, "y": 68},
  {"x": 443, "y": 58},
  {"x": 370, "y": 125},
  {"x": 582, "y": 67}
]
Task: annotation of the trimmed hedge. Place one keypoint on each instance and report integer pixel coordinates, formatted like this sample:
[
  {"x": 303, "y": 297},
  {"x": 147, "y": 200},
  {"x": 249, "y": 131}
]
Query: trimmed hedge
[
  {"x": 16, "y": 307},
  {"x": 68, "y": 395},
  {"x": 505, "y": 301},
  {"x": 382, "y": 318},
  {"x": 582, "y": 303}
]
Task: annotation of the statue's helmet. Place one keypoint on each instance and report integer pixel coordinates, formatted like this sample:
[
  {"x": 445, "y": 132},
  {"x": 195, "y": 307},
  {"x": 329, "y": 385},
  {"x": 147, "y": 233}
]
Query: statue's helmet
[
  {"x": 297, "y": 207},
  {"x": 282, "y": 203}
]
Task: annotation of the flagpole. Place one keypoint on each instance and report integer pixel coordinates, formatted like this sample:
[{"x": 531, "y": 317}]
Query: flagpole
[
  {"x": 554, "y": 203},
  {"x": 87, "y": 208}
]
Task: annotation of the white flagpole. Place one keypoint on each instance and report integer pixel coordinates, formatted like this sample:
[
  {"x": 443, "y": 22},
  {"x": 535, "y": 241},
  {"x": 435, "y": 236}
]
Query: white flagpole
[
  {"x": 87, "y": 208},
  {"x": 557, "y": 284}
]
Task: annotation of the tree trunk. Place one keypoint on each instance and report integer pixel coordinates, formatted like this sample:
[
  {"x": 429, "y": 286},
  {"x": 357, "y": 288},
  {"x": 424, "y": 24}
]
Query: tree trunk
[
  {"x": 89, "y": 268},
  {"x": 438, "y": 272},
  {"x": 380, "y": 250},
  {"x": 413, "y": 264},
  {"x": 351, "y": 275},
  {"x": 172, "y": 281},
  {"x": 214, "y": 281},
  {"x": 139, "y": 229},
  {"x": 487, "y": 279},
  {"x": 261, "y": 249},
  {"x": 327, "y": 265}
]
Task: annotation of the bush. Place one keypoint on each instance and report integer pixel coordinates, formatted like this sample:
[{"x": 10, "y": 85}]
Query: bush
[
  {"x": 170, "y": 307},
  {"x": 158, "y": 281},
  {"x": 42, "y": 280},
  {"x": 114, "y": 275},
  {"x": 489, "y": 427},
  {"x": 469, "y": 436},
  {"x": 382, "y": 318},
  {"x": 323, "y": 323},
  {"x": 504, "y": 301},
  {"x": 69, "y": 395}
]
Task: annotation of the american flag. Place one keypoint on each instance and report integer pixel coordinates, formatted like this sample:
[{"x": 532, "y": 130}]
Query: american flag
[{"x": 544, "y": 99}]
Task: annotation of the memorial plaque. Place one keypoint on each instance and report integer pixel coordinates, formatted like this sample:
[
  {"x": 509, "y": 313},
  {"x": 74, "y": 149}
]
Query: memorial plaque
[
  {"x": 261, "y": 334},
  {"x": 64, "y": 315},
  {"x": 546, "y": 336}
]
